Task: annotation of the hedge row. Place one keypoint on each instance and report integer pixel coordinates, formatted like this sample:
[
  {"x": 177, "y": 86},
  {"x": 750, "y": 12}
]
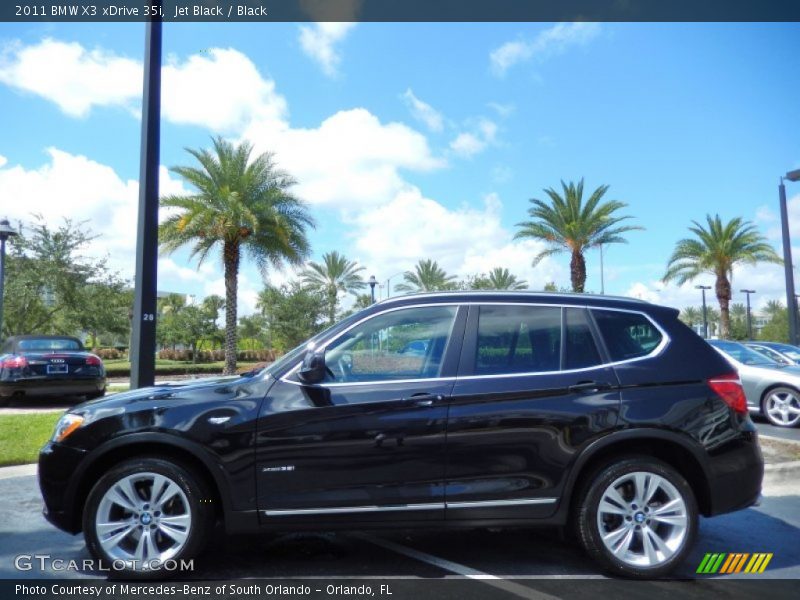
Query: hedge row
[
  {"x": 206, "y": 356},
  {"x": 187, "y": 369}
]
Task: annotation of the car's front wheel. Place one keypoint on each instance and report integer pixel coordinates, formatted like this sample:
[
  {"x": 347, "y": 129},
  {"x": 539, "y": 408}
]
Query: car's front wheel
[
  {"x": 781, "y": 406},
  {"x": 146, "y": 515},
  {"x": 638, "y": 517}
]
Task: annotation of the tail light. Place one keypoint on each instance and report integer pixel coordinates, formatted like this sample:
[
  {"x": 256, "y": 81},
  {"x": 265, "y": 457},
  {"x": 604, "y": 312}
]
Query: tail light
[
  {"x": 94, "y": 361},
  {"x": 729, "y": 388},
  {"x": 14, "y": 362}
]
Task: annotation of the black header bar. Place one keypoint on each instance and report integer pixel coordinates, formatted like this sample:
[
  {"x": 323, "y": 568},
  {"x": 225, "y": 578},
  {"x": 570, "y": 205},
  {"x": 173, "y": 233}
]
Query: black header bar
[{"x": 399, "y": 10}]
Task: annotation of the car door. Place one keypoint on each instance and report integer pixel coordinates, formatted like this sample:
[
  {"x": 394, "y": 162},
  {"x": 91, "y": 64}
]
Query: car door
[
  {"x": 368, "y": 442},
  {"x": 531, "y": 390}
]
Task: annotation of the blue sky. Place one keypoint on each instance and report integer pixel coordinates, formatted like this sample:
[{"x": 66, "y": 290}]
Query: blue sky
[{"x": 419, "y": 140}]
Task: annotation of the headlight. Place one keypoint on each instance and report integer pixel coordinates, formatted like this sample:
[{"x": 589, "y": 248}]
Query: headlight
[{"x": 65, "y": 426}]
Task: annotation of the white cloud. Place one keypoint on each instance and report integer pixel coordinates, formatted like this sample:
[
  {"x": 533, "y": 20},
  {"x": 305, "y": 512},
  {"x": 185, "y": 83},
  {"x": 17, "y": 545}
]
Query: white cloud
[
  {"x": 75, "y": 78},
  {"x": 550, "y": 42},
  {"x": 76, "y": 187},
  {"x": 503, "y": 110},
  {"x": 3, "y": 161},
  {"x": 320, "y": 42},
  {"x": 350, "y": 160},
  {"x": 469, "y": 143},
  {"x": 464, "y": 241},
  {"x": 423, "y": 112},
  {"x": 220, "y": 89}
]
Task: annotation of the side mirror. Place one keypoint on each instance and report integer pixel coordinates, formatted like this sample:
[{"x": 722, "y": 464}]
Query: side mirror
[{"x": 313, "y": 367}]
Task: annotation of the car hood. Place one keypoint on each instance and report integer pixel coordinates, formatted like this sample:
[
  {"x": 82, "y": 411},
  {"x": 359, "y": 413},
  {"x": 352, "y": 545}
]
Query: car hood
[{"x": 186, "y": 389}]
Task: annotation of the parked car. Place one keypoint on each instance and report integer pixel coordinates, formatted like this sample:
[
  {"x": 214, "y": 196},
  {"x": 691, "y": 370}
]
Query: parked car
[
  {"x": 606, "y": 415},
  {"x": 49, "y": 365},
  {"x": 772, "y": 389},
  {"x": 784, "y": 353}
]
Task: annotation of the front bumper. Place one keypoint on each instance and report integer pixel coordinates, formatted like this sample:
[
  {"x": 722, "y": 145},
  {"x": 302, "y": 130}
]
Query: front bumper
[
  {"x": 736, "y": 471},
  {"x": 57, "y": 466}
]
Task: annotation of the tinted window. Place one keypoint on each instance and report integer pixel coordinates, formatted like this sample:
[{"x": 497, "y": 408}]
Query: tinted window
[
  {"x": 627, "y": 335},
  {"x": 402, "y": 344},
  {"x": 47, "y": 345},
  {"x": 518, "y": 339},
  {"x": 580, "y": 351}
]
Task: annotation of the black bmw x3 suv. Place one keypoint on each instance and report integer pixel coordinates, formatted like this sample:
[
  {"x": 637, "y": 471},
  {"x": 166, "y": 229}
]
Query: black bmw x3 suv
[{"x": 606, "y": 415}]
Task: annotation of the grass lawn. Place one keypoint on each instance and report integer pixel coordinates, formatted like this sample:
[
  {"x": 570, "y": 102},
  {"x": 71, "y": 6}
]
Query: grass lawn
[{"x": 21, "y": 436}]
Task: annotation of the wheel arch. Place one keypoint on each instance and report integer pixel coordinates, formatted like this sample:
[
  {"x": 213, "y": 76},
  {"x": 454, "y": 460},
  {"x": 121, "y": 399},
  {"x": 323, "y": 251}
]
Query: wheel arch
[
  {"x": 154, "y": 445},
  {"x": 677, "y": 450}
]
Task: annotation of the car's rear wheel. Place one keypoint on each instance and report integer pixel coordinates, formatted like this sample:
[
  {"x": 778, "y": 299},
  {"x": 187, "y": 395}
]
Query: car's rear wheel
[
  {"x": 781, "y": 406},
  {"x": 144, "y": 514},
  {"x": 638, "y": 517},
  {"x": 94, "y": 395}
]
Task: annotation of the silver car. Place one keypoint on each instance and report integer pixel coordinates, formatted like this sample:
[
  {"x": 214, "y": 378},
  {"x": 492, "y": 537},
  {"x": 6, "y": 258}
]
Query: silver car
[{"x": 772, "y": 389}]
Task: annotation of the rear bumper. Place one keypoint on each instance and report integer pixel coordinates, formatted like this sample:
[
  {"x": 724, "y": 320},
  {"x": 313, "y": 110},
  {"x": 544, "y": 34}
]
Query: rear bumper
[
  {"x": 735, "y": 475},
  {"x": 52, "y": 387}
]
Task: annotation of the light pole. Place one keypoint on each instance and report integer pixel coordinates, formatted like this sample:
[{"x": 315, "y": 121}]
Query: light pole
[
  {"x": 791, "y": 300},
  {"x": 749, "y": 323},
  {"x": 6, "y": 231},
  {"x": 703, "y": 289},
  {"x": 143, "y": 336},
  {"x": 388, "y": 283},
  {"x": 372, "y": 283}
]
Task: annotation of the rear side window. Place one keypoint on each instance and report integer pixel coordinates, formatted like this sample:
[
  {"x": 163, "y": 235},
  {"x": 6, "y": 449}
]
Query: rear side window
[
  {"x": 580, "y": 351},
  {"x": 627, "y": 335},
  {"x": 518, "y": 339}
]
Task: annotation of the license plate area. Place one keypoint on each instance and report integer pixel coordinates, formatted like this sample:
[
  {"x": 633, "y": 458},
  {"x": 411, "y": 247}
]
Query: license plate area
[{"x": 57, "y": 369}]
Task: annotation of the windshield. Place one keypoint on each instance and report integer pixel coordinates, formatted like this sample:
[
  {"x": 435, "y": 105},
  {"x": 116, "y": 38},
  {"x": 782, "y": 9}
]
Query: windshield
[
  {"x": 48, "y": 344},
  {"x": 792, "y": 352},
  {"x": 743, "y": 354}
]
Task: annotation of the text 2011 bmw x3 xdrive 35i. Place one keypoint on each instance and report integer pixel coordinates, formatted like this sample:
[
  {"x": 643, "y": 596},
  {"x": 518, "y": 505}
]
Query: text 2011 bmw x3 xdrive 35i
[{"x": 452, "y": 410}]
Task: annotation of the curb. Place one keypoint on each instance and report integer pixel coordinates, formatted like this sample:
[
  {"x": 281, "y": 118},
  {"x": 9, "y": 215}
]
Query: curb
[{"x": 782, "y": 474}]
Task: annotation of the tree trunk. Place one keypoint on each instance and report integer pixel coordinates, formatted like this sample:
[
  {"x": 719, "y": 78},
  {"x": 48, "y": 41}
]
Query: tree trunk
[
  {"x": 577, "y": 271},
  {"x": 332, "y": 301},
  {"x": 231, "y": 260},
  {"x": 723, "y": 290}
]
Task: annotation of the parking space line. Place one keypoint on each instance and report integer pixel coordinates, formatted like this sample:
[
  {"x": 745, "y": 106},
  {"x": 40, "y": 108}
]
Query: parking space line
[{"x": 457, "y": 568}]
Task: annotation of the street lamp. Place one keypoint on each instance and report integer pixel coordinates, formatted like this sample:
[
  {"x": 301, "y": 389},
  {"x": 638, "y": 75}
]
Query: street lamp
[
  {"x": 749, "y": 324},
  {"x": 791, "y": 300},
  {"x": 703, "y": 288},
  {"x": 372, "y": 283},
  {"x": 602, "y": 274},
  {"x": 388, "y": 283},
  {"x": 6, "y": 231}
]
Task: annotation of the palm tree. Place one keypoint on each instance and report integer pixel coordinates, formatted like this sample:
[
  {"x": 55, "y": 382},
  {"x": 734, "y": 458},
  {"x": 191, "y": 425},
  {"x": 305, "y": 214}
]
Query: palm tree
[
  {"x": 774, "y": 308},
  {"x": 499, "y": 279},
  {"x": 567, "y": 224},
  {"x": 333, "y": 275},
  {"x": 716, "y": 249},
  {"x": 692, "y": 316},
  {"x": 242, "y": 206},
  {"x": 427, "y": 276}
]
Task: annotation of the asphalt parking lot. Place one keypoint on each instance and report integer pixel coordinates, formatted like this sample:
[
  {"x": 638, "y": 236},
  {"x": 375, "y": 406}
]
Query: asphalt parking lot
[{"x": 495, "y": 557}]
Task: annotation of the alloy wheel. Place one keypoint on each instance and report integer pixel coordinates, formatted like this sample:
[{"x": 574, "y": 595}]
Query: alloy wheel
[
  {"x": 782, "y": 407},
  {"x": 142, "y": 518},
  {"x": 642, "y": 519}
]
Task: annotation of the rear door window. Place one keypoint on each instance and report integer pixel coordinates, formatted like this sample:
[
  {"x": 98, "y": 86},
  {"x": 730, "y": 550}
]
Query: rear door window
[
  {"x": 518, "y": 339},
  {"x": 580, "y": 349},
  {"x": 627, "y": 335}
]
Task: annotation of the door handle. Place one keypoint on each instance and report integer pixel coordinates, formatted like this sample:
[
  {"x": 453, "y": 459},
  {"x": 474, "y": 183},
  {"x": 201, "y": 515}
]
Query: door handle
[
  {"x": 587, "y": 387},
  {"x": 424, "y": 399}
]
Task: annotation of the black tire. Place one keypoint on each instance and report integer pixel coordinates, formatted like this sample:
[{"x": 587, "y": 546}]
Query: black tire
[
  {"x": 95, "y": 395},
  {"x": 791, "y": 395},
  {"x": 588, "y": 526},
  {"x": 197, "y": 498}
]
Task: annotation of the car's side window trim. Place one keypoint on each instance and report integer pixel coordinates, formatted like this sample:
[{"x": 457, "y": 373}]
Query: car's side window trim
[
  {"x": 470, "y": 334},
  {"x": 449, "y": 357}
]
